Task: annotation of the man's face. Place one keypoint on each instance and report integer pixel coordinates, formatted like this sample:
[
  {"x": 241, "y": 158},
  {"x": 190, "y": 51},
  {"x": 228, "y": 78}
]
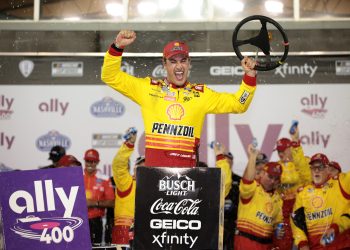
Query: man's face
[
  {"x": 319, "y": 173},
  {"x": 269, "y": 182},
  {"x": 91, "y": 166},
  {"x": 177, "y": 68},
  {"x": 286, "y": 155},
  {"x": 258, "y": 170}
]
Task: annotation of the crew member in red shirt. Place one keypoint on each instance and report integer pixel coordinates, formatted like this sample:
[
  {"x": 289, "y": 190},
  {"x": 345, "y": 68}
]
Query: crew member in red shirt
[{"x": 99, "y": 194}]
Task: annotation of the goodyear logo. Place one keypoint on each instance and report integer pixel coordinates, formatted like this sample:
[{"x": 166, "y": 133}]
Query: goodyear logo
[
  {"x": 107, "y": 107},
  {"x": 52, "y": 138}
]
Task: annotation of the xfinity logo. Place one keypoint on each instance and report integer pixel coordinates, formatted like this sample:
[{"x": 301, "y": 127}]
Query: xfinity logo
[
  {"x": 305, "y": 69},
  {"x": 178, "y": 185}
]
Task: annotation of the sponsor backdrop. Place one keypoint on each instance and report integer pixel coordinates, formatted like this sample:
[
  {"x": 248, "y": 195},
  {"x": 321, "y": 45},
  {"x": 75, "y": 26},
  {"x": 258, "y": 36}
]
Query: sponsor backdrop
[
  {"x": 46, "y": 101},
  {"x": 44, "y": 209},
  {"x": 211, "y": 70},
  {"x": 179, "y": 208}
]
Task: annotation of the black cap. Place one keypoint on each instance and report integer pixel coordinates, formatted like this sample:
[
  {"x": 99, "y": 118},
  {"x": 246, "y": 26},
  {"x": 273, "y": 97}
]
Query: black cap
[
  {"x": 229, "y": 155},
  {"x": 261, "y": 158},
  {"x": 140, "y": 159},
  {"x": 56, "y": 153}
]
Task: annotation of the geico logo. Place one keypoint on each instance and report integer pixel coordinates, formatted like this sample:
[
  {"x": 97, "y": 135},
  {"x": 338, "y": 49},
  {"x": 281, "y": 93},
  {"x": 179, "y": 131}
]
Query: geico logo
[
  {"x": 175, "y": 224},
  {"x": 226, "y": 71},
  {"x": 176, "y": 185}
]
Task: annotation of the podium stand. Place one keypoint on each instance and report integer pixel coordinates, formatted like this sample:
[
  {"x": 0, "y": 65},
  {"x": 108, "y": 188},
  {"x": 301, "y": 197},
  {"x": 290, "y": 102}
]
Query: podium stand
[{"x": 178, "y": 208}]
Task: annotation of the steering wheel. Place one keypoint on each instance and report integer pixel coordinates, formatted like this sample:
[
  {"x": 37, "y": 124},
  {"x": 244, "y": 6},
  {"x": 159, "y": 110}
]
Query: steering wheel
[{"x": 261, "y": 41}]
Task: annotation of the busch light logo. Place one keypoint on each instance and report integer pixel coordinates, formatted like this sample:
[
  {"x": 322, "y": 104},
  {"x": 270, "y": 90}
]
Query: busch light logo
[
  {"x": 127, "y": 68},
  {"x": 159, "y": 72},
  {"x": 177, "y": 185},
  {"x": 26, "y": 67},
  {"x": 107, "y": 107},
  {"x": 52, "y": 138}
]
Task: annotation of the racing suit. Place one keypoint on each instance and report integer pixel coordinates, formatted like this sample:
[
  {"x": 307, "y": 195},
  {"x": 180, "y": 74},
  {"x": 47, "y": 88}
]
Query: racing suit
[
  {"x": 294, "y": 175},
  {"x": 173, "y": 116},
  {"x": 125, "y": 195},
  {"x": 97, "y": 187},
  {"x": 258, "y": 212},
  {"x": 222, "y": 163},
  {"x": 319, "y": 207}
]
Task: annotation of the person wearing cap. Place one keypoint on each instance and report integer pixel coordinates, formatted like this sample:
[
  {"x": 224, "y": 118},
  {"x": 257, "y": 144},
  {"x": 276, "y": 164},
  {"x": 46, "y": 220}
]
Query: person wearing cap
[
  {"x": 260, "y": 206},
  {"x": 296, "y": 173},
  {"x": 68, "y": 161},
  {"x": 55, "y": 155},
  {"x": 99, "y": 194},
  {"x": 322, "y": 208},
  {"x": 173, "y": 109},
  {"x": 261, "y": 160},
  {"x": 225, "y": 160},
  {"x": 125, "y": 191}
]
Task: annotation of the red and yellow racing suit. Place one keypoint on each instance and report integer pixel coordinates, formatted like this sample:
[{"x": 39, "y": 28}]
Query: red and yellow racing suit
[
  {"x": 125, "y": 195},
  {"x": 173, "y": 116},
  {"x": 258, "y": 212},
  {"x": 222, "y": 163},
  {"x": 295, "y": 174},
  {"x": 319, "y": 207}
]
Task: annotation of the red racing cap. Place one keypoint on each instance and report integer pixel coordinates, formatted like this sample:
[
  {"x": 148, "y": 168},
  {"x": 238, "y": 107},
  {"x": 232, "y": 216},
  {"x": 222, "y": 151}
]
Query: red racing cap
[
  {"x": 68, "y": 160},
  {"x": 92, "y": 155},
  {"x": 282, "y": 144},
  {"x": 273, "y": 168},
  {"x": 323, "y": 159},
  {"x": 174, "y": 48}
]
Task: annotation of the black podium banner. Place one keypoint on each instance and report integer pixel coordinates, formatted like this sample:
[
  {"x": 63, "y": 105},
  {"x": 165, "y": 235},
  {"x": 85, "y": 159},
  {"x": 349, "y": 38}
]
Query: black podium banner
[{"x": 178, "y": 208}]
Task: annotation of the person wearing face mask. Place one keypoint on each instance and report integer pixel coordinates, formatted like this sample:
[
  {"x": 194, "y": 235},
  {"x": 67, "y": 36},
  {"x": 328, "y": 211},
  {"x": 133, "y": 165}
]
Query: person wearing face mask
[
  {"x": 260, "y": 206},
  {"x": 321, "y": 210},
  {"x": 174, "y": 109},
  {"x": 99, "y": 194}
]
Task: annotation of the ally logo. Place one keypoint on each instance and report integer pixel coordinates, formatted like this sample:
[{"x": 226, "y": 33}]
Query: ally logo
[{"x": 44, "y": 209}]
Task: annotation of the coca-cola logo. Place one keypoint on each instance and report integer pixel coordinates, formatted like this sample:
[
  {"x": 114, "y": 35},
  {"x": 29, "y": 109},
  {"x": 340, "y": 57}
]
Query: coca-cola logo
[
  {"x": 159, "y": 72},
  {"x": 183, "y": 207}
]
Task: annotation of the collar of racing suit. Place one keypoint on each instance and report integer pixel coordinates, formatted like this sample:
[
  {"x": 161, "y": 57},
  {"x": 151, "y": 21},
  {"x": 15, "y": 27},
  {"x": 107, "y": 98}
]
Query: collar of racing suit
[{"x": 174, "y": 85}]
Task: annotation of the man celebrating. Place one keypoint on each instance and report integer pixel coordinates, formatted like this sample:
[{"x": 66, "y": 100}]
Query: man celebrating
[
  {"x": 174, "y": 109},
  {"x": 321, "y": 210},
  {"x": 260, "y": 206}
]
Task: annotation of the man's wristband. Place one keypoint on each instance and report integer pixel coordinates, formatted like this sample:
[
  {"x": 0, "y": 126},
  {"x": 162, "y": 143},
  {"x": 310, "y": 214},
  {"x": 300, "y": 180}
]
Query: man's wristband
[{"x": 114, "y": 46}]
